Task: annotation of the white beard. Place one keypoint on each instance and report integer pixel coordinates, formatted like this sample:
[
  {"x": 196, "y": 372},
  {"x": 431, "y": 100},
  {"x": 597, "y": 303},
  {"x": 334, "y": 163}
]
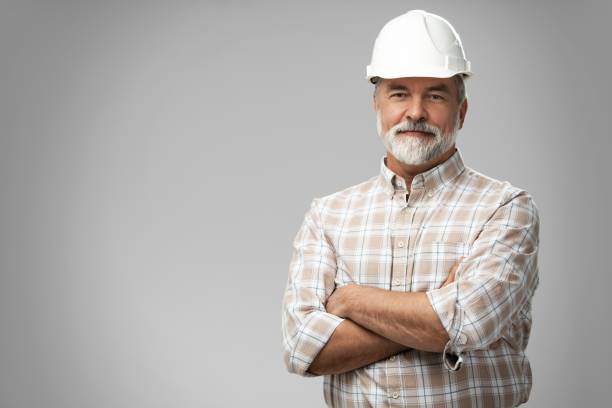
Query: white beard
[{"x": 416, "y": 150}]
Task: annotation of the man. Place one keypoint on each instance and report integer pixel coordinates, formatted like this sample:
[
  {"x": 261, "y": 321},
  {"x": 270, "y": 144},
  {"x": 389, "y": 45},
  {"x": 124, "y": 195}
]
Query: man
[{"x": 414, "y": 288}]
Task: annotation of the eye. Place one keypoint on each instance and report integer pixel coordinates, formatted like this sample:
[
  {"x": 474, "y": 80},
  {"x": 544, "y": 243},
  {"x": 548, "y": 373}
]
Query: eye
[
  {"x": 398, "y": 94},
  {"x": 436, "y": 97}
]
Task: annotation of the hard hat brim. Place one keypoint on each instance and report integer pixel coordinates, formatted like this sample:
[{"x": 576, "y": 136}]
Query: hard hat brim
[{"x": 372, "y": 73}]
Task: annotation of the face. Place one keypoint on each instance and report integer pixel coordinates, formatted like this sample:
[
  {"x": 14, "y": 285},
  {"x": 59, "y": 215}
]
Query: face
[{"x": 418, "y": 118}]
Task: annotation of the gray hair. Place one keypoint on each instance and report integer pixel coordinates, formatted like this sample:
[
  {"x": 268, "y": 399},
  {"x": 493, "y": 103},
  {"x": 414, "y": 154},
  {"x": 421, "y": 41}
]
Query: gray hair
[
  {"x": 461, "y": 92},
  {"x": 459, "y": 82}
]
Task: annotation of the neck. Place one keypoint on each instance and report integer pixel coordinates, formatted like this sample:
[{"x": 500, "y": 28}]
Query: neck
[{"x": 409, "y": 171}]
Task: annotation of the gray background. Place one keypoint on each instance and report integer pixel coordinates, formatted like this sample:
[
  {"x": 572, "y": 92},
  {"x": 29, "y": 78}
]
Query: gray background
[{"x": 157, "y": 159}]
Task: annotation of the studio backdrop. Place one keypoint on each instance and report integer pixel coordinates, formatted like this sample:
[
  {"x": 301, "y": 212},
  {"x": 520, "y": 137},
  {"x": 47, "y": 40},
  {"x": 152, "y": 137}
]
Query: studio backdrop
[{"x": 157, "y": 159}]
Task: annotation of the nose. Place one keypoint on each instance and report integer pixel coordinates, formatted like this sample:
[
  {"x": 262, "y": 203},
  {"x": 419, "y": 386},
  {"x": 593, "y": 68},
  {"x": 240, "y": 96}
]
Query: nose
[{"x": 415, "y": 111}]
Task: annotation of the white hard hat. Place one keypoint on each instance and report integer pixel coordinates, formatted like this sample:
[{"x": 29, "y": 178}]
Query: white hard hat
[{"x": 417, "y": 44}]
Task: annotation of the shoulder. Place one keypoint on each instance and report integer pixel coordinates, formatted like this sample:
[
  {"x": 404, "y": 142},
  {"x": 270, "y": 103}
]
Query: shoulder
[
  {"x": 510, "y": 204},
  {"x": 501, "y": 191}
]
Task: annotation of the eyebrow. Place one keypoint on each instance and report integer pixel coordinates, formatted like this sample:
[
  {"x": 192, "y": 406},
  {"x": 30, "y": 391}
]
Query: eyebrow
[{"x": 440, "y": 88}]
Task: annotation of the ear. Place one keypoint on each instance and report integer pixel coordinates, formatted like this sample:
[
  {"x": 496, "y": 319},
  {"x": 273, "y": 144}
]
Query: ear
[
  {"x": 463, "y": 112},
  {"x": 377, "y": 86}
]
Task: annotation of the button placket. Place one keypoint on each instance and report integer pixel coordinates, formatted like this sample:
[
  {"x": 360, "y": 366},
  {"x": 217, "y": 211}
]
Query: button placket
[
  {"x": 393, "y": 374},
  {"x": 399, "y": 244},
  {"x": 409, "y": 216}
]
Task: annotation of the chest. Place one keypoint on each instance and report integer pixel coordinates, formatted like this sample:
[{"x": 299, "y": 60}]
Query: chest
[{"x": 407, "y": 243}]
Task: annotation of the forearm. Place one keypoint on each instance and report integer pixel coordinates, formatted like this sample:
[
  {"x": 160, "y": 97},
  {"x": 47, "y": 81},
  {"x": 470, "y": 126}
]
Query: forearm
[
  {"x": 352, "y": 346},
  {"x": 404, "y": 317}
]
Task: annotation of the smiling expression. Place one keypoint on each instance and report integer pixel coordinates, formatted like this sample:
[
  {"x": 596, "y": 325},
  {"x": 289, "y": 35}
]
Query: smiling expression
[{"x": 418, "y": 118}]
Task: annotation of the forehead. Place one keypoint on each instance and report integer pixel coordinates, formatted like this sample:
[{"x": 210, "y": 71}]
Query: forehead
[{"x": 420, "y": 83}]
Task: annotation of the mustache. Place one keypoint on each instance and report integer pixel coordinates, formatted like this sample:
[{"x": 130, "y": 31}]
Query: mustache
[{"x": 410, "y": 126}]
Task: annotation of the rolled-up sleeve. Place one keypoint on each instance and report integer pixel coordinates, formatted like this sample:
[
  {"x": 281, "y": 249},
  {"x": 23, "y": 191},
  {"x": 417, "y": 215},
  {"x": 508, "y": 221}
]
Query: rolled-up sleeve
[
  {"x": 306, "y": 325},
  {"x": 493, "y": 283}
]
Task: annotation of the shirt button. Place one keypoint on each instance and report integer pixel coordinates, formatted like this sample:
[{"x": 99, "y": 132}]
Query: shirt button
[
  {"x": 396, "y": 282},
  {"x": 392, "y": 358},
  {"x": 429, "y": 195},
  {"x": 462, "y": 339},
  {"x": 400, "y": 244},
  {"x": 395, "y": 395}
]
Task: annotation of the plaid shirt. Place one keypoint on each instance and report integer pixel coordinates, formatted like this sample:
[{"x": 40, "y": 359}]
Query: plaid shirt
[{"x": 380, "y": 234}]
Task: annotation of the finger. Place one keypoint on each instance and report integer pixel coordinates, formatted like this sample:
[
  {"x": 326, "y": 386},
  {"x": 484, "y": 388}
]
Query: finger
[
  {"x": 451, "y": 277},
  {"x": 456, "y": 266},
  {"x": 452, "y": 273}
]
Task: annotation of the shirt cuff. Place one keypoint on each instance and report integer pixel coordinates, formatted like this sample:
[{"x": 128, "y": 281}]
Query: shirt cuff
[
  {"x": 445, "y": 305},
  {"x": 313, "y": 336},
  {"x": 452, "y": 361}
]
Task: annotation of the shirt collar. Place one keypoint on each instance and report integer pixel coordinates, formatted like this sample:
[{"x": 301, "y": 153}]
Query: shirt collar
[{"x": 430, "y": 180}]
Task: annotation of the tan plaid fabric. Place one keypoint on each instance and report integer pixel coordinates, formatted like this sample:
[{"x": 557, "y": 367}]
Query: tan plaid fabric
[{"x": 377, "y": 234}]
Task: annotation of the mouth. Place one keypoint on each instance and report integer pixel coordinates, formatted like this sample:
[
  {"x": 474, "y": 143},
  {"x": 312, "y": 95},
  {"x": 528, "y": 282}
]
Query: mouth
[{"x": 415, "y": 133}]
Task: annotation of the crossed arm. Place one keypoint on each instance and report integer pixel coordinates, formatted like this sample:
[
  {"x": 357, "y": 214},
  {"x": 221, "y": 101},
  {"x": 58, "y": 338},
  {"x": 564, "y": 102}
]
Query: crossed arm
[
  {"x": 379, "y": 324},
  {"x": 356, "y": 325}
]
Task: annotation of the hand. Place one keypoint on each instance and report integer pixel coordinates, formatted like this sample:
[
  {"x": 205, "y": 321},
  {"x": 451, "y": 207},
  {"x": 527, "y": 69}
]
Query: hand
[
  {"x": 338, "y": 302},
  {"x": 451, "y": 274}
]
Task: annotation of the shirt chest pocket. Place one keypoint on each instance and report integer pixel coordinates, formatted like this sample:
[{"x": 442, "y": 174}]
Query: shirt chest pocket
[{"x": 433, "y": 262}]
